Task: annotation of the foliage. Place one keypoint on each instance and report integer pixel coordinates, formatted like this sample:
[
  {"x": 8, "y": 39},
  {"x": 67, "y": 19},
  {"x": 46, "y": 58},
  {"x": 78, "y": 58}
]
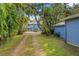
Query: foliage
[
  {"x": 54, "y": 14},
  {"x": 49, "y": 15},
  {"x": 9, "y": 19},
  {"x": 14, "y": 17}
]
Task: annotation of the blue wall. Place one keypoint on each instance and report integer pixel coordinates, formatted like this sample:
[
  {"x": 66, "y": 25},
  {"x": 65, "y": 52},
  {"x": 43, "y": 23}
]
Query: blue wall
[
  {"x": 60, "y": 30},
  {"x": 69, "y": 31},
  {"x": 72, "y": 28}
]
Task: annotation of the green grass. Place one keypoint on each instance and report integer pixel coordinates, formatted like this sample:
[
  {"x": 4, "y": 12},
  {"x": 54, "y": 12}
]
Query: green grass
[
  {"x": 54, "y": 46},
  {"x": 6, "y": 48}
]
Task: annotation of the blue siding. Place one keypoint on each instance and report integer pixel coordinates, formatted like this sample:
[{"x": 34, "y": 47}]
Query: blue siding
[
  {"x": 73, "y": 31},
  {"x": 60, "y": 30}
]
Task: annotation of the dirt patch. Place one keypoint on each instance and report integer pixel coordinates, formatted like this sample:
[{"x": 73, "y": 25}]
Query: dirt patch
[
  {"x": 37, "y": 48},
  {"x": 28, "y": 46}
]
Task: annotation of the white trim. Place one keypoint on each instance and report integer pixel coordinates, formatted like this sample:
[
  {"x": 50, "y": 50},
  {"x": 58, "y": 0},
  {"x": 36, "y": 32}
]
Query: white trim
[
  {"x": 60, "y": 24},
  {"x": 72, "y": 44}
]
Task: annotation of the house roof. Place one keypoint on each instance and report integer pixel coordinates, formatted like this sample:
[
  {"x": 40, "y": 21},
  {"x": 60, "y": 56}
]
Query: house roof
[
  {"x": 60, "y": 24},
  {"x": 71, "y": 17},
  {"x": 67, "y": 18}
]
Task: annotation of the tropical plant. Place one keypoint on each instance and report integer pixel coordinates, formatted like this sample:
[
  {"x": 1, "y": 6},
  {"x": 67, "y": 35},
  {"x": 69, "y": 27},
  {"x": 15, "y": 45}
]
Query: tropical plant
[{"x": 10, "y": 15}]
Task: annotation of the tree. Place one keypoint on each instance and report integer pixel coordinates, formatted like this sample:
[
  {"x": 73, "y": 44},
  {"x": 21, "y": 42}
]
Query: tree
[
  {"x": 50, "y": 16},
  {"x": 10, "y": 16}
]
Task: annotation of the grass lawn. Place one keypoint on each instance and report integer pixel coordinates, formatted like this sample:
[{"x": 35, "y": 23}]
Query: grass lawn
[
  {"x": 6, "y": 48},
  {"x": 54, "y": 46}
]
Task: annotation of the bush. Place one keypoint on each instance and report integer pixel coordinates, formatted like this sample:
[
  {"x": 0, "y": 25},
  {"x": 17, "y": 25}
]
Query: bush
[
  {"x": 35, "y": 30},
  {"x": 56, "y": 34}
]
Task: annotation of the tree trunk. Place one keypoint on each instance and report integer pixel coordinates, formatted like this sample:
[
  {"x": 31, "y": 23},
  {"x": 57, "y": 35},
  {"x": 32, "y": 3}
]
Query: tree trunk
[{"x": 38, "y": 23}]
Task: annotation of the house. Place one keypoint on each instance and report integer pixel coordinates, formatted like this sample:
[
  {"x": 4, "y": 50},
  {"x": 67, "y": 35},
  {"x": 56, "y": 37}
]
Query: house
[
  {"x": 72, "y": 30},
  {"x": 60, "y": 29},
  {"x": 32, "y": 26}
]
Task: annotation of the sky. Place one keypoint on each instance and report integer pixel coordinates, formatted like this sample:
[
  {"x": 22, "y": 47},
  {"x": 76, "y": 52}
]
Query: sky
[
  {"x": 70, "y": 4},
  {"x": 32, "y": 17}
]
